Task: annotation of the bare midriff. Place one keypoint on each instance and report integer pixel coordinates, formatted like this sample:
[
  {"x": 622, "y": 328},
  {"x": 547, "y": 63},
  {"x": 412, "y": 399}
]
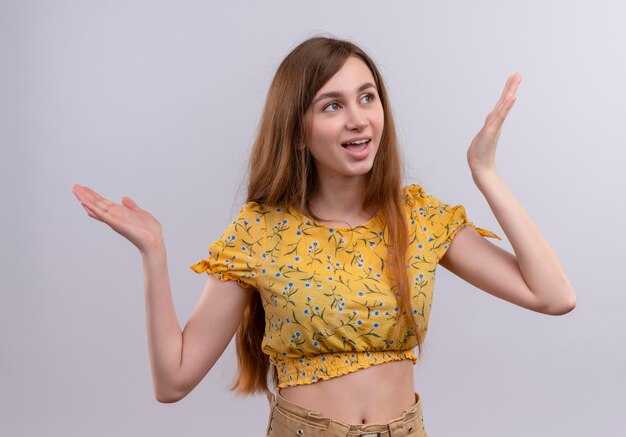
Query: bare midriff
[{"x": 374, "y": 395}]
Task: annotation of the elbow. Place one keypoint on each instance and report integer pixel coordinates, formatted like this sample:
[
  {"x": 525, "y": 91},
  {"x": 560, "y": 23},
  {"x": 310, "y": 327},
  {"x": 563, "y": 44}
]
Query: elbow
[
  {"x": 168, "y": 396},
  {"x": 167, "y": 399},
  {"x": 561, "y": 309}
]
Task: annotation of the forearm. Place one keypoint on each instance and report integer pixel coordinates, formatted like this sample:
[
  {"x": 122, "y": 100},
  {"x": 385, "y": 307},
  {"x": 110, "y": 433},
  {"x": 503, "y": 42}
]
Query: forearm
[
  {"x": 164, "y": 333},
  {"x": 537, "y": 261}
]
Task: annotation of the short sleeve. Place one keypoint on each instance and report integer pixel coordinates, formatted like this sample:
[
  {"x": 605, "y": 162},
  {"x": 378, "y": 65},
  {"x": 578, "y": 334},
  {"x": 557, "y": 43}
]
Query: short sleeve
[
  {"x": 239, "y": 253},
  {"x": 440, "y": 222}
]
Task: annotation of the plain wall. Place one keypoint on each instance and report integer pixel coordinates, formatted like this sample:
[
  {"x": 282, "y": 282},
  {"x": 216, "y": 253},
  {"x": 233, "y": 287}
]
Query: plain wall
[{"x": 160, "y": 101}]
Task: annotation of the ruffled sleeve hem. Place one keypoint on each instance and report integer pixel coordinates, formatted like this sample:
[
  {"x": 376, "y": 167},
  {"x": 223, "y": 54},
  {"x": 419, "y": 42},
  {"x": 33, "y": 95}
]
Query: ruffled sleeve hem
[
  {"x": 458, "y": 222},
  {"x": 484, "y": 232},
  {"x": 205, "y": 266}
]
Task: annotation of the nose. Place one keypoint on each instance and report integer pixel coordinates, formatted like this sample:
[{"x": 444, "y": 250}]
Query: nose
[{"x": 356, "y": 119}]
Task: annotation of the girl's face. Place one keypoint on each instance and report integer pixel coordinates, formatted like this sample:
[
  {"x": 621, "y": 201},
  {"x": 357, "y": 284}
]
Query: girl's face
[{"x": 346, "y": 120}]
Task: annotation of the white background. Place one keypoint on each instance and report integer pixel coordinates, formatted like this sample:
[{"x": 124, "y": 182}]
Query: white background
[{"x": 160, "y": 101}]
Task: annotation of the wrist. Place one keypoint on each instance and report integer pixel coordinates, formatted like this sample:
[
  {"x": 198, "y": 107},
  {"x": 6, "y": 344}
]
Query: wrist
[
  {"x": 484, "y": 178},
  {"x": 154, "y": 248}
]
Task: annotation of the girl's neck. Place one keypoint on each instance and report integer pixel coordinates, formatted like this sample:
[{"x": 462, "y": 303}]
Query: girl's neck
[{"x": 340, "y": 200}]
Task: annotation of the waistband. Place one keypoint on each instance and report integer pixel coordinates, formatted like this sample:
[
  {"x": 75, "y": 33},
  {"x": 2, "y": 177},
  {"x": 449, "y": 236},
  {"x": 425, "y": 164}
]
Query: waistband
[{"x": 395, "y": 427}]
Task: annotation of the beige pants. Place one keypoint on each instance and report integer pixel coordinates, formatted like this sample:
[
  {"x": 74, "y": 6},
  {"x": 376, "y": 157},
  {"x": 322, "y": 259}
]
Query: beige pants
[{"x": 289, "y": 419}]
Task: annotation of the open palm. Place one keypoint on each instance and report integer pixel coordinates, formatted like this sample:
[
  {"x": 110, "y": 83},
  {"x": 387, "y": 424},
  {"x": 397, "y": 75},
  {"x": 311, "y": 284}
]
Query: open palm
[
  {"x": 127, "y": 219},
  {"x": 481, "y": 154}
]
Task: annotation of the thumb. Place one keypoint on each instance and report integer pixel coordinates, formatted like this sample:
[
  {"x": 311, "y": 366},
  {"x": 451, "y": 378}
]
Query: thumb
[{"x": 130, "y": 203}]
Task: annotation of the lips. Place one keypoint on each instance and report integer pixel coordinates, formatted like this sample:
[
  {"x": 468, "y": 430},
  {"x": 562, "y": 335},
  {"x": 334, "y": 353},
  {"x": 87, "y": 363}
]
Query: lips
[
  {"x": 355, "y": 142},
  {"x": 357, "y": 151}
]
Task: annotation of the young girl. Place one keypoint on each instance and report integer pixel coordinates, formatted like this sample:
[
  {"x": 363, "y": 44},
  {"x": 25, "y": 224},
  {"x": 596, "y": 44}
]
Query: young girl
[{"x": 327, "y": 272}]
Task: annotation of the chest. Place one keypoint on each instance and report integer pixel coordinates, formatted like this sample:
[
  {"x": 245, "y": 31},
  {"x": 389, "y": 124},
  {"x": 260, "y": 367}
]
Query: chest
[{"x": 325, "y": 279}]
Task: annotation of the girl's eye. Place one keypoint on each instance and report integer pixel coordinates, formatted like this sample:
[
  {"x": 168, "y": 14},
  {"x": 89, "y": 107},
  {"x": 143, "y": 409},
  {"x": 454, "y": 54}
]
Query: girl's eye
[
  {"x": 334, "y": 105},
  {"x": 370, "y": 97}
]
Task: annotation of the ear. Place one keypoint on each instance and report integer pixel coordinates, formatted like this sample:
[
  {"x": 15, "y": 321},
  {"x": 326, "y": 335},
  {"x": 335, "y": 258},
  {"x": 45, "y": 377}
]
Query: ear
[{"x": 301, "y": 146}]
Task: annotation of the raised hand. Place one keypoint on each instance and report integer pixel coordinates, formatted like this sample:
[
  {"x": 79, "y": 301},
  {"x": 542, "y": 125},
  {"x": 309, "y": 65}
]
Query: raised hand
[
  {"x": 481, "y": 154},
  {"x": 127, "y": 219}
]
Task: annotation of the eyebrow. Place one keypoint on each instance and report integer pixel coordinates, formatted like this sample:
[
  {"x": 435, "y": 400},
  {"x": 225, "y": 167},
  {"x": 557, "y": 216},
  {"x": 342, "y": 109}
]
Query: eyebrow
[{"x": 333, "y": 94}]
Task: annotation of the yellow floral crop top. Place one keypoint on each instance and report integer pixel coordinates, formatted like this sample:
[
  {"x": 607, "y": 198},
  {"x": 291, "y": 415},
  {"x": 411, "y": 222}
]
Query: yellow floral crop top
[{"x": 329, "y": 308}]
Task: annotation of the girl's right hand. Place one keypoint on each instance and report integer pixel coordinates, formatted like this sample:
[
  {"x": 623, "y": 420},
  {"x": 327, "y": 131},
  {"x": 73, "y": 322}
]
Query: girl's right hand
[{"x": 127, "y": 219}]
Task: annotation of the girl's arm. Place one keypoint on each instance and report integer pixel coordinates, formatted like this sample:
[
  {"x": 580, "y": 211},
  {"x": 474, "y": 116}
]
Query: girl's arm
[
  {"x": 179, "y": 360},
  {"x": 533, "y": 277}
]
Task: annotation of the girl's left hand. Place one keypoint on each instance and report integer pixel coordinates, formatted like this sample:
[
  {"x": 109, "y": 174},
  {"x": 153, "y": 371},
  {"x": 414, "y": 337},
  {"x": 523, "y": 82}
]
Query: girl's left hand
[{"x": 481, "y": 154}]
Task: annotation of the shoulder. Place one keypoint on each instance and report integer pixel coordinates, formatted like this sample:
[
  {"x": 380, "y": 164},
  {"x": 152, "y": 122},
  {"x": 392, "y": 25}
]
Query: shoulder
[
  {"x": 421, "y": 204},
  {"x": 416, "y": 195},
  {"x": 249, "y": 221},
  {"x": 252, "y": 211}
]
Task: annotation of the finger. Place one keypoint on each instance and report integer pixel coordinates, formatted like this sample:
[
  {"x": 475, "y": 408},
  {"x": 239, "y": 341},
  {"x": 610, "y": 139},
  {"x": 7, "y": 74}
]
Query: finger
[
  {"x": 496, "y": 118},
  {"x": 94, "y": 200},
  {"x": 95, "y": 197},
  {"x": 90, "y": 213},
  {"x": 510, "y": 88},
  {"x": 130, "y": 203},
  {"x": 507, "y": 108},
  {"x": 507, "y": 86},
  {"x": 516, "y": 79}
]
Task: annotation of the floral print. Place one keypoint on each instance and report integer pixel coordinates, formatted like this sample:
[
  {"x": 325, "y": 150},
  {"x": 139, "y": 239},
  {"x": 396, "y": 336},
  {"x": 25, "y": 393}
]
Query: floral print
[{"x": 329, "y": 307}]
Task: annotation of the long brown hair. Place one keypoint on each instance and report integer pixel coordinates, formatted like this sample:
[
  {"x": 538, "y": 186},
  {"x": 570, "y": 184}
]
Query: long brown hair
[{"x": 282, "y": 173}]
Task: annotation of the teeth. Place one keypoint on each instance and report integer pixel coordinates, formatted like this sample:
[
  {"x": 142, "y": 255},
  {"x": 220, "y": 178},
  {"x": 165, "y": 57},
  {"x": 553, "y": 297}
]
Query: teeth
[{"x": 358, "y": 142}]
